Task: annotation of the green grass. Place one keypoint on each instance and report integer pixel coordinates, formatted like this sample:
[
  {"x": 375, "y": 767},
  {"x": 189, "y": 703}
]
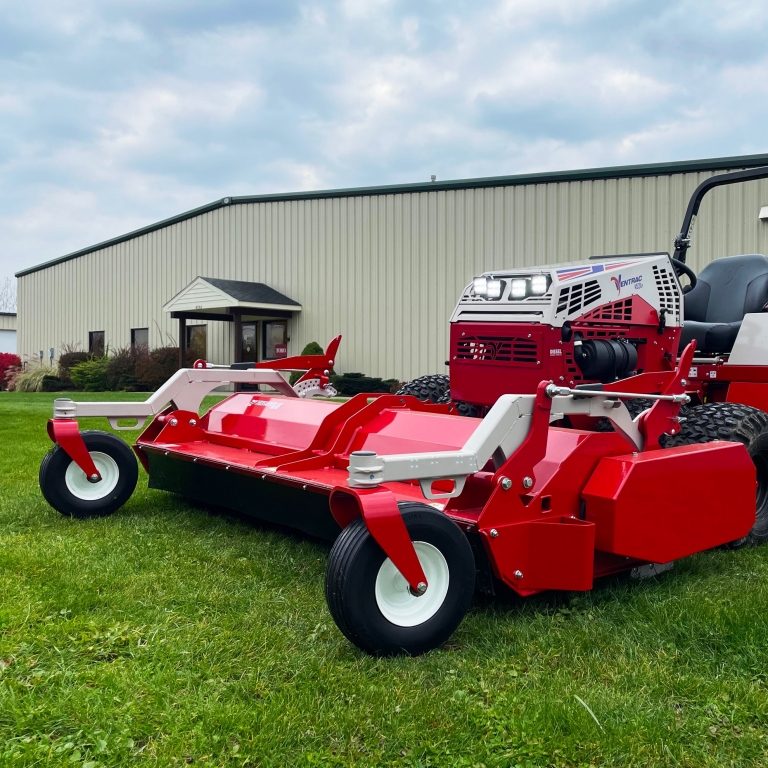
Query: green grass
[{"x": 167, "y": 635}]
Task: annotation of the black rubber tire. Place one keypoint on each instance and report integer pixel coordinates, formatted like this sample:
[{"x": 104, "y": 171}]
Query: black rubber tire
[
  {"x": 462, "y": 408},
  {"x": 427, "y": 388},
  {"x": 53, "y": 477},
  {"x": 350, "y": 579},
  {"x": 738, "y": 423}
]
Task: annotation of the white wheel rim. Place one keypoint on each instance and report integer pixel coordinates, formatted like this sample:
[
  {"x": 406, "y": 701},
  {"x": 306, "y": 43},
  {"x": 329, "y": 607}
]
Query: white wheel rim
[
  {"x": 79, "y": 486},
  {"x": 394, "y": 598}
]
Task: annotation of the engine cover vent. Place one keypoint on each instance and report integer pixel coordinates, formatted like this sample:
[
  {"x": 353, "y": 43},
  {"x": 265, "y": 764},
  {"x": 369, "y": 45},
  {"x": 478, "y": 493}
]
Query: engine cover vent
[
  {"x": 498, "y": 349},
  {"x": 573, "y": 298},
  {"x": 620, "y": 311},
  {"x": 669, "y": 298}
]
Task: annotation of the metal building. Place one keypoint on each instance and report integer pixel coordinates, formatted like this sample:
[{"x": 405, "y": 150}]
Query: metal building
[
  {"x": 256, "y": 277},
  {"x": 7, "y": 332}
]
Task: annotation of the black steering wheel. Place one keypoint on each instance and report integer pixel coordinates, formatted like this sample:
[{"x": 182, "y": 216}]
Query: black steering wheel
[{"x": 684, "y": 269}]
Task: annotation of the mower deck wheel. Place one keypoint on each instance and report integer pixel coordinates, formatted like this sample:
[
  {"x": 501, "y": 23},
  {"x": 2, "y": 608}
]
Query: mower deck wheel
[
  {"x": 738, "y": 423},
  {"x": 67, "y": 489},
  {"x": 373, "y": 605}
]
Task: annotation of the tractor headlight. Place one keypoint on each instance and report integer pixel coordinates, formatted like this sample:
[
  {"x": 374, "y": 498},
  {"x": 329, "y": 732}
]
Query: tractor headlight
[
  {"x": 494, "y": 289},
  {"x": 539, "y": 285},
  {"x": 518, "y": 289},
  {"x": 480, "y": 286}
]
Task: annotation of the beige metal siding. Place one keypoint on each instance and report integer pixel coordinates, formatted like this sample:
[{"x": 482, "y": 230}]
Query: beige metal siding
[
  {"x": 385, "y": 270},
  {"x": 7, "y": 322}
]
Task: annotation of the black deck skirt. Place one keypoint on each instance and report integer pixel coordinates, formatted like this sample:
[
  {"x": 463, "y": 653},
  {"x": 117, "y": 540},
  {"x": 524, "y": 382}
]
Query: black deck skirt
[{"x": 250, "y": 495}]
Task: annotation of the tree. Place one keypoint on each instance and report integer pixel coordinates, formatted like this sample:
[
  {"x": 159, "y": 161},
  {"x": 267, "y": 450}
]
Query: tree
[{"x": 7, "y": 295}]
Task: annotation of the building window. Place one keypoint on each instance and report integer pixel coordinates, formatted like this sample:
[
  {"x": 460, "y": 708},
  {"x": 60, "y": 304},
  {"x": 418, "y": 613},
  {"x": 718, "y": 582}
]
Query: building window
[
  {"x": 275, "y": 340},
  {"x": 139, "y": 338},
  {"x": 197, "y": 343},
  {"x": 96, "y": 343}
]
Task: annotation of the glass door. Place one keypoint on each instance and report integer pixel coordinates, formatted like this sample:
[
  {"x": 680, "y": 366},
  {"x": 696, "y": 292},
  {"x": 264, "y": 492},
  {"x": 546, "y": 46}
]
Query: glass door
[{"x": 249, "y": 343}]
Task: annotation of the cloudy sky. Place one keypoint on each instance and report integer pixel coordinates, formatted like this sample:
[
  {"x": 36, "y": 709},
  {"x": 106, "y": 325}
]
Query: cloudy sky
[{"x": 118, "y": 113}]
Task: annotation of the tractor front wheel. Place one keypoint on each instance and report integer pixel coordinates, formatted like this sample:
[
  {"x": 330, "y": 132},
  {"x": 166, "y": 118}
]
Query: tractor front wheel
[
  {"x": 373, "y": 605},
  {"x": 67, "y": 488},
  {"x": 738, "y": 423},
  {"x": 430, "y": 389}
]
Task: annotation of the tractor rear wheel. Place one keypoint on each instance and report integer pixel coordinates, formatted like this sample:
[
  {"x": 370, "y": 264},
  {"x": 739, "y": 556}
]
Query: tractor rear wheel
[
  {"x": 67, "y": 489},
  {"x": 738, "y": 423},
  {"x": 373, "y": 605},
  {"x": 427, "y": 388}
]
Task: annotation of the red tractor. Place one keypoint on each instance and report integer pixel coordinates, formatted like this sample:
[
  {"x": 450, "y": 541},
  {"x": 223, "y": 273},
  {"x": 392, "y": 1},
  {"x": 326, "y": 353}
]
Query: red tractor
[{"x": 572, "y": 473}]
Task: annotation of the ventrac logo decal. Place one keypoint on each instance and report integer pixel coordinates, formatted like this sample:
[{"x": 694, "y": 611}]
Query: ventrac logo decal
[
  {"x": 271, "y": 404},
  {"x": 633, "y": 283}
]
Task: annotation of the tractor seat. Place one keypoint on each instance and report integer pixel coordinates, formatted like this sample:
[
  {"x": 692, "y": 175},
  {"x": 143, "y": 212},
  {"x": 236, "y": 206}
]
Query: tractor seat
[{"x": 726, "y": 290}]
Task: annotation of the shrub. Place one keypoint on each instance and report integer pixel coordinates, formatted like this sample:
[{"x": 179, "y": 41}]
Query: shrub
[
  {"x": 350, "y": 384},
  {"x": 8, "y": 361},
  {"x": 30, "y": 380},
  {"x": 55, "y": 384},
  {"x": 313, "y": 348},
  {"x": 154, "y": 368},
  {"x": 68, "y": 360},
  {"x": 91, "y": 375},
  {"x": 121, "y": 368}
]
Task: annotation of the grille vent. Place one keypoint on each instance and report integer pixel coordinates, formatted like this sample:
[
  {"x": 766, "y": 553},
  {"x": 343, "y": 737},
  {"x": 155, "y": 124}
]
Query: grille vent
[
  {"x": 669, "y": 298},
  {"x": 617, "y": 310},
  {"x": 498, "y": 349},
  {"x": 573, "y": 298}
]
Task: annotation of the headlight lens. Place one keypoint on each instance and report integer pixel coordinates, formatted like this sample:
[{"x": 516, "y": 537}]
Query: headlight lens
[
  {"x": 494, "y": 289},
  {"x": 480, "y": 286},
  {"x": 518, "y": 289},
  {"x": 539, "y": 285}
]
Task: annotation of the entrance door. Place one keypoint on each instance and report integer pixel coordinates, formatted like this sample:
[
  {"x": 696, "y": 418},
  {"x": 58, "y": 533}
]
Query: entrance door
[{"x": 249, "y": 343}]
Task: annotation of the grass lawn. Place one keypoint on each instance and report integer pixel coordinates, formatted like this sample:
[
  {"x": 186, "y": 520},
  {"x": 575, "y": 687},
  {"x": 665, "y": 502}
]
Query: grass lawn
[{"x": 168, "y": 635}]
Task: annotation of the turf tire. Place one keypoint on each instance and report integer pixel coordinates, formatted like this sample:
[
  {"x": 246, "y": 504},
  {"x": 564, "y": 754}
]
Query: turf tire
[
  {"x": 427, "y": 388},
  {"x": 354, "y": 565},
  {"x": 462, "y": 408},
  {"x": 738, "y": 423},
  {"x": 57, "y": 485}
]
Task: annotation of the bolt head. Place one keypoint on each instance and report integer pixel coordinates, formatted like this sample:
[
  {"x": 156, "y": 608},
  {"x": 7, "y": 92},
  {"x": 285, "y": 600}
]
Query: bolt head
[
  {"x": 494, "y": 533},
  {"x": 506, "y": 483},
  {"x": 527, "y": 482},
  {"x": 94, "y": 479},
  {"x": 421, "y": 588},
  {"x": 173, "y": 422},
  {"x": 683, "y": 382},
  {"x": 518, "y": 574},
  {"x": 193, "y": 422}
]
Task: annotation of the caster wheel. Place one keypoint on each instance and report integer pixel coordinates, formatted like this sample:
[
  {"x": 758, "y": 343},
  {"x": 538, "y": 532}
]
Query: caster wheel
[
  {"x": 372, "y": 603},
  {"x": 68, "y": 490}
]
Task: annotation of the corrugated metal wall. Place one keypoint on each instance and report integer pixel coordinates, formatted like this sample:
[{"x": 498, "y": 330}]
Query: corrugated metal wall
[
  {"x": 7, "y": 322},
  {"x": 385, "y": 270}
]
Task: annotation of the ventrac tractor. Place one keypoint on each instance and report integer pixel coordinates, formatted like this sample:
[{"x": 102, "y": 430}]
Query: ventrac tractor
[{"x": 600, "y": 418}]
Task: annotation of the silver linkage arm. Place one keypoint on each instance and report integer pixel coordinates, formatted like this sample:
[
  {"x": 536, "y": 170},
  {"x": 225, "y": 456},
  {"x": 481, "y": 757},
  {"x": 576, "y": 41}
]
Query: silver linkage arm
[
  {"x": 185, "y": 390},
  {"x": 497, "y": 436}
]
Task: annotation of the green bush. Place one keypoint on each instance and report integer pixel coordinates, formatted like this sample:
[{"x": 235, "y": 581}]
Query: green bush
[
  {"x": 313, "y": 348},
  {"x": 121, "y": 369},
  {"x": 154, "y": 368},
  {"x": 68, "y": 360},
  {"x": 91, "y": 375},
  {"x": 350, "y": 384},
  {"x": 55, "y": 384}
]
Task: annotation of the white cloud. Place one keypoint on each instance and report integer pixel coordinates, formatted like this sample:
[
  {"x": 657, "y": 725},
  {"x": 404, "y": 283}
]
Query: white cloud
[{"x": 123, "y": 113}]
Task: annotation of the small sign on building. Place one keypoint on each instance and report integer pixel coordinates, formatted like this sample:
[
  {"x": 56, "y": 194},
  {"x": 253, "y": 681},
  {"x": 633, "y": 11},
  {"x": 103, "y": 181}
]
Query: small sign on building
[{"x": 281, "y": 350}]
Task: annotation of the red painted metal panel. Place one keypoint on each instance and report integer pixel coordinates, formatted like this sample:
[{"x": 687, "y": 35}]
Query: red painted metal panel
[
  {"x": 379, "y": 509},
  {"x": 663, "y": 505},
  {"x": 66, "y": 432},
  {"x": 749, "y": 393},
  {"x": 552, "y": 553}
]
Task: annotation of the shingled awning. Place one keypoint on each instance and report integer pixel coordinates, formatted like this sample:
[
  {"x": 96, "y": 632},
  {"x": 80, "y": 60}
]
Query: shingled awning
[{"x": 213, "y": 296}]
